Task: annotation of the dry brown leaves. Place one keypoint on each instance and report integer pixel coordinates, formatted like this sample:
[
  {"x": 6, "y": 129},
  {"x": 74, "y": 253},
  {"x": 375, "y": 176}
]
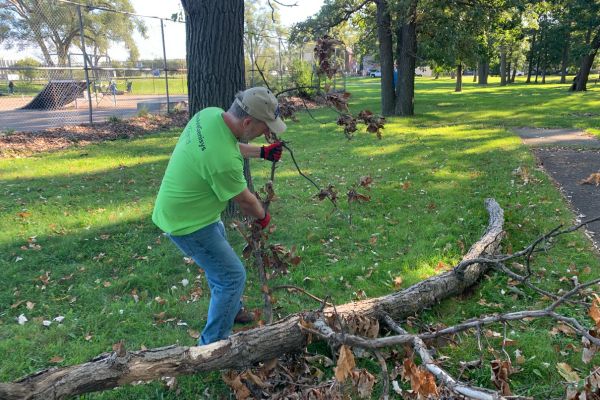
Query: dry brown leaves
[
  {"x": 329, "y": 193},
  {"x": 349, "y": 124},
  {"x": 324, "y": 52},
  {"x": 26, "y": 143},
  {"x": 374, "y": 122},
  {"x": 354, "y": 324},
  {"x": 593, "y": 179},
  {"x": 301, "y": 377},
  {"x": 339, "y": 101},
  {"x": 422, "y": 382},
  {"x": 287, "y": 109},
  {"x": 501, "y": 371}
]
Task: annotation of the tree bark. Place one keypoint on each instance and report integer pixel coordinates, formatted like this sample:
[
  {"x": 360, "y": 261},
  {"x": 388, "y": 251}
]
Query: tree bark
[
  {"x": 246, "y": 348},
  {"x": 459, "y": 74},
  {"x": 405, "y": 103},
  {"x": 215, "y": 55},
  {"x": 580, "y": 82},
  {"x": 565, "y": 57},
  {"x": 483, "y": 71},
  {"x": 503, "y": 65},
  {"x": 531, "y": 56},
  {"x": 215, "y": 59},
  {"x": 384, "y": 34}
]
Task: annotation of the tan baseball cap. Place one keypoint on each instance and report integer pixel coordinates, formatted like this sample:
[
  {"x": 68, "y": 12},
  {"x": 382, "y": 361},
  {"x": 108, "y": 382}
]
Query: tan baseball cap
[{"x": 260, "y": 103}]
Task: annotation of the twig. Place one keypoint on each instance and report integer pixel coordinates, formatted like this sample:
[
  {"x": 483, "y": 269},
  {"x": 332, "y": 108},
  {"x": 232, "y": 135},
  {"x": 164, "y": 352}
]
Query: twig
[
  {"x": 299, "y": 289},
  {"x": 385, "y": 377},
  {"x": 526, "y": 251},
  {"x": 358, "y": 341},
  {"x": 439, "y": 373},
  {"x": 262, "y": 75},
  {"x": 296, "y": 88}
]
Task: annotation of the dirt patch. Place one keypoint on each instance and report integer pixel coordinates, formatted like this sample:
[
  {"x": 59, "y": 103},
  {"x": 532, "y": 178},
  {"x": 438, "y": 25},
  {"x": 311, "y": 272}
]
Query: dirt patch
[{"x": 21, "y": 143}]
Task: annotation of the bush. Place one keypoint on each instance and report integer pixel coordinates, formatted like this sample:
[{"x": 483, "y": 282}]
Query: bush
[{"x": 301, "y": 75}]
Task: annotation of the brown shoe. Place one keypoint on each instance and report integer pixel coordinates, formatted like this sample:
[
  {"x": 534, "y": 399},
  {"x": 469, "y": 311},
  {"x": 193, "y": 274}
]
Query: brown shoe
[{"x": 244, "y": 317}]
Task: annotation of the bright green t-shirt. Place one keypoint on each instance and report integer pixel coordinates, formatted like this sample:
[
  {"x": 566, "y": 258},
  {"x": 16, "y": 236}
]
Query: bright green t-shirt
[{"x": 205, "y": 171}]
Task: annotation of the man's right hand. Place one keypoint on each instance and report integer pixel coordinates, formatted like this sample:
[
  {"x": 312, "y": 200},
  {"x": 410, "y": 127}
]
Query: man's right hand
[{"x": 264, "y": 222}]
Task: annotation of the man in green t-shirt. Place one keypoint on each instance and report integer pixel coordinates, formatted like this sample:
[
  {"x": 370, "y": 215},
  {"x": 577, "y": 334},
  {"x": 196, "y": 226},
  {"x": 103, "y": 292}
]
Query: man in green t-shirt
[{"x": 204, "y": 173}]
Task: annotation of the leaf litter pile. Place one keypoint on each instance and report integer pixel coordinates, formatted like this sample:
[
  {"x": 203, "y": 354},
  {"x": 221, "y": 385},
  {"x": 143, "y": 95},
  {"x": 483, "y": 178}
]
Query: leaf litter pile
[{"x": 23, "y": 143}]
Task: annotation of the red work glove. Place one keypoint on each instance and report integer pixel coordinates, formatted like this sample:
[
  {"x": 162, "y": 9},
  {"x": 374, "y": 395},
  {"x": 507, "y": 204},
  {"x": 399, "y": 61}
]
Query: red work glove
[
  {"x": 271, "y": 152},
  {"x": 264, "y": 222}
]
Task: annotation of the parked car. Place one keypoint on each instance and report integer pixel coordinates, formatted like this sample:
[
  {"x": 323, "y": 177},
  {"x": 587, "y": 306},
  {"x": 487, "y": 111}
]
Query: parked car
[{"x": 375, "y": 73}]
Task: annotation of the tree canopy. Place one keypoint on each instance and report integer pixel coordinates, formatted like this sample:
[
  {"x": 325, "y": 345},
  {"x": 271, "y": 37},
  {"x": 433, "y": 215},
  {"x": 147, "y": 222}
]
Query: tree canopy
[{"x": 54, "y": 27}]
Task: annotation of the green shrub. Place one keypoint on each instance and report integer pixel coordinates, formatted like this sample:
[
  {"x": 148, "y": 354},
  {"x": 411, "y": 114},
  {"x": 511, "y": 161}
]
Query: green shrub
[{"x": 302, "y": 76}]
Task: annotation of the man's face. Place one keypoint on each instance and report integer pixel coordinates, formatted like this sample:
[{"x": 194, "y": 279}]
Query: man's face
[{"x": 254, "y": 128}]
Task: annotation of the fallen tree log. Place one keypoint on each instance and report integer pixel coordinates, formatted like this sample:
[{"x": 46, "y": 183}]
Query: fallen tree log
[{"x": 247, "y": 348}]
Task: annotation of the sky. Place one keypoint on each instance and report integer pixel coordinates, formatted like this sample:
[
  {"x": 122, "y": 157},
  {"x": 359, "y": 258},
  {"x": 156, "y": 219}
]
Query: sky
[{"x": 151, "y": 47}]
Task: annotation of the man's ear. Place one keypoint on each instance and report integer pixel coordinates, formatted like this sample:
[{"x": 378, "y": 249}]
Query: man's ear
[{"x": 246, "y": 122}]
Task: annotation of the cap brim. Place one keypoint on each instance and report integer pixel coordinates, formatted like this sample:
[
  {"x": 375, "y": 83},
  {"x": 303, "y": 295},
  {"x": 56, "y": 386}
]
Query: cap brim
[{"x": 276, "y": 126}]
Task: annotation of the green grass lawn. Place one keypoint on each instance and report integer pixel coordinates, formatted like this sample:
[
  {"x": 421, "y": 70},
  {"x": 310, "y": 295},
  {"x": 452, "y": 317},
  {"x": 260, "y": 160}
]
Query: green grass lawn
[{"x": 77, "y": 240}]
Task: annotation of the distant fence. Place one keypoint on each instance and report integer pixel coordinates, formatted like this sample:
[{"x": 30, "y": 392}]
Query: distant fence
[{"x": 82, "y": 85}]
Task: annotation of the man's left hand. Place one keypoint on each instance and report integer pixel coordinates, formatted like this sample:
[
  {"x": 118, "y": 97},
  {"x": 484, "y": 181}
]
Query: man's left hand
[{"x": 271, "y": 152}]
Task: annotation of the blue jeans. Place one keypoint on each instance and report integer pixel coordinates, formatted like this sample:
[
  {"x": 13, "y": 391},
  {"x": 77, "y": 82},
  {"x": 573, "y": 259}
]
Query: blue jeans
[{"x": 225, "y": 274}]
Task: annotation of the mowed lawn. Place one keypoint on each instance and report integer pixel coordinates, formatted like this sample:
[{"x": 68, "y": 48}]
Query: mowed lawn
[{"x": 77, "y": 241}]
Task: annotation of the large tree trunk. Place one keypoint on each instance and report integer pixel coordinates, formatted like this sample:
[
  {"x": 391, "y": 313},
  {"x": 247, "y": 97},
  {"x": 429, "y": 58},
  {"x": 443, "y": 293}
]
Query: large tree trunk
[
  {"x": 580, "y": 82},
  {"x": 405, "y": 103},
  {"x": 483, "y": 71},
  {"x": 384, "y": 34},
  {"x": 215, "y": 52},
  {"x": 459, "y": 73},
  {"x": 249, "y": 347},
  {"x": 531, "y": 57}
]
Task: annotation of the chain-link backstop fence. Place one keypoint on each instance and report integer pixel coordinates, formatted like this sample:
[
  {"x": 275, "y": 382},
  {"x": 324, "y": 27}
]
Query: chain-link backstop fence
[{"x": 75, "y": 71}]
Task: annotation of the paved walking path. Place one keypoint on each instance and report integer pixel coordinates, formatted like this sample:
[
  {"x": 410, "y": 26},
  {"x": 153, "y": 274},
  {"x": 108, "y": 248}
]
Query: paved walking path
[{"x": 570, "y": 156}]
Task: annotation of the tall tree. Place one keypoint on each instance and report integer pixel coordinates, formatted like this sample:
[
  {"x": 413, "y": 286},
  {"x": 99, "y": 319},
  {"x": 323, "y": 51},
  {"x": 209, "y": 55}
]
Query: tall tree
[
  {"x": 215, "y": 51},
  {"x": 54, "y": 27},
  {"x": 446, "y": 38},
  {"x": 386, "y": 55},
  {"x": 406, "y": 57},
  {"x": 588, "y": 26}
]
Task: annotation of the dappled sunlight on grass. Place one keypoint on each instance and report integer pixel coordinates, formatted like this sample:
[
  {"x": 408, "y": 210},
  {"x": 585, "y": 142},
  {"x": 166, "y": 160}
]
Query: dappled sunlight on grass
[{"x": 20, "y": 170}]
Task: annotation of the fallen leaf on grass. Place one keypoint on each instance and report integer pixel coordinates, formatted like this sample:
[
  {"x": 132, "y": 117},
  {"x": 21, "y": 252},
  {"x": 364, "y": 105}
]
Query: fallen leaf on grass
[
  {"x": 234, "y": 381},
  {"x": 562, "y": 328},
  {"x": 595, "y": 310},
  {"x": 363, "y": 381},
  {"x": 567, "y": 372},
  {"x": 397, "y": 282},
  {"x": 345, "y": 364},
  {"x": 422, "y": 381},
  {"x": 501, "y": 371}
]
